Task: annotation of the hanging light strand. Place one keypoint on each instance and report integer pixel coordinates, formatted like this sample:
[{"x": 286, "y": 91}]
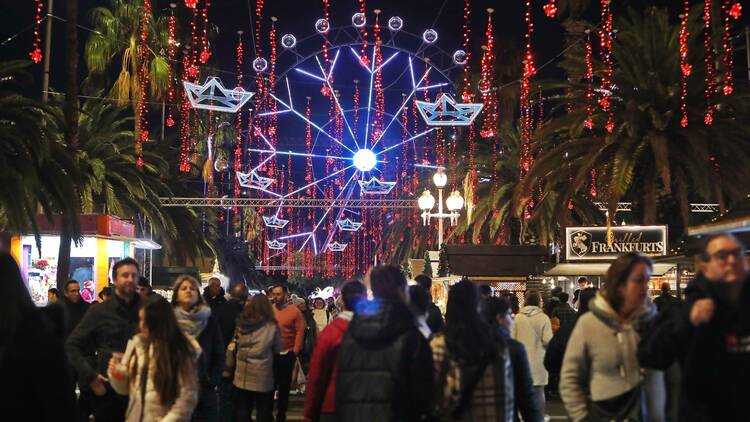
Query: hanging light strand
[
  {"x": 726, "y": 43},
  {"x": 487, "y": 83},
  {"x": 685, "y": 67},
  {"x": 606, "y": 36},
  {"x": 171, "y": 54},
  {"x": 589, "y": 77},
  {"x": 205, "y": 52},
  {"x": 142, "y": 134},
  {"x": 708, "y": 117},
  {"x": 36, "y": 52},
  {"x": 529, "y": 70}
]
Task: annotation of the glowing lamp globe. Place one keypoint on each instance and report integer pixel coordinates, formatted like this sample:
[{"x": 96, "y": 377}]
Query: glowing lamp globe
[
  {"x": 288, "y": 41},
  {"x": 455, "y": 201},
  {"x": 359, "y": 20},
  {"x": 364, "y": 160},
  {"x": 426, "y": 201},
  {"x": 440, "y": 179},
  {"x": 322, "y": 26},
  {"x": 395, "y": 23},
  {"x": 430, "y": 36}
]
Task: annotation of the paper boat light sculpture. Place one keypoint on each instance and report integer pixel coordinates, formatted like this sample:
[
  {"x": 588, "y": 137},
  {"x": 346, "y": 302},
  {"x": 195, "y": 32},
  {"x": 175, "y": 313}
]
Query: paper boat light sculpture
[
  {"x": 376, "y": 187},
  {"x": 252, "y": 180},
  {"x": 337, "y": 247},
  {"x": 213, "y": 96},
  {"x": 445, "y": 111},
  {"x": 275, "y": 222},
  {"x": 275, "y": 245},
  {"x": 348, "y": 225}
]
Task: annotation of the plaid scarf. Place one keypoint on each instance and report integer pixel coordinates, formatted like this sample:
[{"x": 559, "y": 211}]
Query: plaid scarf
[{"x": 193, "y": 321}]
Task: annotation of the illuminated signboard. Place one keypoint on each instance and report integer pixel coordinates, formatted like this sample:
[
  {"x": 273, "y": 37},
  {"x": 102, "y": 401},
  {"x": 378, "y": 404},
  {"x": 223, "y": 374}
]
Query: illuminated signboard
[{"x": 591, "y": 243}]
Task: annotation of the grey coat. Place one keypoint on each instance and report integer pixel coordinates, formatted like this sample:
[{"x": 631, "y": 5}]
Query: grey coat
[{"x": 250, "y": 356}]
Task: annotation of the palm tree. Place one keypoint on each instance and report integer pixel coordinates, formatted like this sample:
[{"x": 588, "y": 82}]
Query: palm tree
[
  {"x": 30, "y": 180},
  {"x": 109, "y": 180},
  {"x": 649, "y": 152},
  {"x": 116, "y": 40}
]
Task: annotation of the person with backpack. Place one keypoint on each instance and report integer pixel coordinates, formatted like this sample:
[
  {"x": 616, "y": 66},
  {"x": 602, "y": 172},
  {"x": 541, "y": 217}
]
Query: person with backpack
[
  {"x": 472, "y": 364},
  {"x": 250, "y": 360}
]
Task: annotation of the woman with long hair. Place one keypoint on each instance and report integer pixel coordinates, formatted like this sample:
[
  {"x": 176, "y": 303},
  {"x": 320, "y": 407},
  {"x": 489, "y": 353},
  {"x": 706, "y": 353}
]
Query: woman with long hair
[
  {"x": 601, "y": 379},
  {"x": 195, "y": 319},
  {"x": 158, "y": 368},
  {"x": 249, "y": 360},
  {"x": 472, "y": 363}
]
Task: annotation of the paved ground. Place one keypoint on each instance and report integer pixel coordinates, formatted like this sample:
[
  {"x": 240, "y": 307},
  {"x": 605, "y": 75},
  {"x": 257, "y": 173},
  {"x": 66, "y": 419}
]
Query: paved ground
[{"x": 554, "y": 409}]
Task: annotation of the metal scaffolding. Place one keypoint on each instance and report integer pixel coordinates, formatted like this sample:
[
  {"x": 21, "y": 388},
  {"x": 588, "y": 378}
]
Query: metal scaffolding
[{"x": 289, "y": 203}]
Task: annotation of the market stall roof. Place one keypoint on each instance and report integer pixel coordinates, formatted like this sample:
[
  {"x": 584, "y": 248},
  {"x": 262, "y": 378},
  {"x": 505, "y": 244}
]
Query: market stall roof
[
  {"x": 735, "y": 220},
  {"x": 494, "y": 260},
  {"x": 591, "y": 269}
]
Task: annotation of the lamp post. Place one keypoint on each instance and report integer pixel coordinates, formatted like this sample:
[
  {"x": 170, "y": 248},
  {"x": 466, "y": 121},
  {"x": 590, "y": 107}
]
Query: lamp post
[{"x": 454, "y": 203}]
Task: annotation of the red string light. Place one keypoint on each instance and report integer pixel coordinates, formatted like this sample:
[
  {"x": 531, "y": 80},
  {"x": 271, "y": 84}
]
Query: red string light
[
  {"x": 685, "y": 67},
  {"x": 529, "y": 70},
  {"x": 191, "y": 4},
  {"x": 193, "y": 68},
  {"x": 550, "y": 9},
  {"x": 708, "y": 118},
  {"x": 205, "y": 52},
  {"x": 605, "y": 44},
  {"x": 728, "y": 59},
  {"x": 238, "y": 123},
  {"x": 589, "y": 77},
  {"x": 363, "y": 35},
  {"x": 171, "y": 54},
  {"x": 379, "y": 106},
  {"x": 36, "y": 52},
  {"x": 143, "y": 57},
  {"x": 185, "y": 111},
  {"x": 736, "y": 11},
  {"x": 487, "y": 83}
]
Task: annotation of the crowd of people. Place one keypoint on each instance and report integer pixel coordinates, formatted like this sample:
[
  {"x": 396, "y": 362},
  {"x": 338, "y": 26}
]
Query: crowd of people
[{"x": 390, "y": 356}]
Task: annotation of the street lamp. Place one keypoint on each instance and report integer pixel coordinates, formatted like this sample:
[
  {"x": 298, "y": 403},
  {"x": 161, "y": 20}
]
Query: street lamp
[{"x": 454, "y": 203}]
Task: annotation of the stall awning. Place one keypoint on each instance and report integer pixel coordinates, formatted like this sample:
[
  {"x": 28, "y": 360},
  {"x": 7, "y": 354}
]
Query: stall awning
[{"x": 570, "y": 269}]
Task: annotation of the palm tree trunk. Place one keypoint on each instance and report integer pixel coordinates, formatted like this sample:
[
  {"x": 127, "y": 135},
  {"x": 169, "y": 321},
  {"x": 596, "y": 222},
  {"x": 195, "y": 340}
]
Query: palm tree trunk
[
  {"x": 682, "y": 199},
  {"x": 71, "y": 124},
  {"x": 649, "y": 200}
]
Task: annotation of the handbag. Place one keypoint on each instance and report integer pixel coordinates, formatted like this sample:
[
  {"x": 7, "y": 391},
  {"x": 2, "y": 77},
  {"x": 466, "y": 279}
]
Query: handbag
[{"x": 627, "y": 407}]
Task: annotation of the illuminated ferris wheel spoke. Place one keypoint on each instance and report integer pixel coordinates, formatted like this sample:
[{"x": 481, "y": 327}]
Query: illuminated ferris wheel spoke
[
  {"x": 318, "y": 181},
  {"x": 386, "y": 62},
  {"x": 262, "y": 162},
  {"x": 338, "y": 216},
  {"x": 419, "y": 135},
  {"x": 304, "y": 72},
  {"x": 359, "y": 59},
  {"x": 259, "y": 133},
  {"x": 292, "y": 236},
  {"x": 406, "y": 101},
  {"x": 369, "y": 98},
  {"x": 335, "y": 97},
  {"x": 343, "y": 189},
  {"x": 273, "y": 113},
  {"x": 318, "y": 128},
  {"x": 428, "y": 87}
]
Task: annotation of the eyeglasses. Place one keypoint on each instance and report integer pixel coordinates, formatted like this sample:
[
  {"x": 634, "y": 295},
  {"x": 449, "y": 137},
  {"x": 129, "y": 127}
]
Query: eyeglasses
[{"x": 723, "y": 255}]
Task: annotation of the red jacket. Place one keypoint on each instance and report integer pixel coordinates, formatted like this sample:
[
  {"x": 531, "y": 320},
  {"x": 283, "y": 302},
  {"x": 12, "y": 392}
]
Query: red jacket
[{"x": 320, "y": 395}]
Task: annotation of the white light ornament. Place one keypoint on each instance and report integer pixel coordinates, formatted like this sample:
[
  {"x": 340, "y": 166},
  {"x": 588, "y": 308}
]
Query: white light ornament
[
  {"x": 324, "y": 294},
  {"x": 430, "y": 36},
  {"x": 288, "y": 41},
  {"x": 359, "y": 20},
  {"x": 348, "y": 225},
  {"x": 395, "y": 23},
  {"x": 213, "y": 96},
  {"x": 445, "y": 111},
  {"x": 253, "y": 180},
  {"x": 375, "y": 186},
  {"x": 337, "y": 247},
  {"x": 460, "y": 57},
  {"x": 275, "y": 222},
  {"x": 322, "y": 26},
  {"x": 275, "y": 245},
  {"x": 260, "y": 64},
  {"x": 364, "y": 160}
]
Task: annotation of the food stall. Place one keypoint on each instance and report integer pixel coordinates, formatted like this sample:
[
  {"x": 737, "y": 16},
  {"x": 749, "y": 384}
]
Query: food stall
[{"x": 106, "y": 239}]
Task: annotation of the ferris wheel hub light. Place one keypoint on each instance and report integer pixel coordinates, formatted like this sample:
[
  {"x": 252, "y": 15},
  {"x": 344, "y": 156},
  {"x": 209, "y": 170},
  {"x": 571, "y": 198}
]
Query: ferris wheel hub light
[{"x": 364, "y": 160}]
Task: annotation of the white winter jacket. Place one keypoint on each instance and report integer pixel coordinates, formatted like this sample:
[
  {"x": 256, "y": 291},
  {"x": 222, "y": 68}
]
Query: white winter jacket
[
  {"x": 600, "y": 360},
  {"x": 148, "y": 407},
  {"x": 533, "y": 329}
]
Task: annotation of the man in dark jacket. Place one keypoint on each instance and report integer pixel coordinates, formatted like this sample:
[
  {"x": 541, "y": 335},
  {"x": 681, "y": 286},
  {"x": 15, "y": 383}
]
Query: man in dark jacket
[
  {"x": 665, "y": 299},
  {"x": 228, "y": 312},
  {"x": 709, "y": 336},
  {"x": 551, "y": 303},
  {"x": 563, "y": 312},
  {"x": 385, "y": 368},
  {"x": 73, "y": 305},
  {"x": 434, "y": 316},
  {"x": 214, "y": 293},
  {"x": 104, "y": 330}
]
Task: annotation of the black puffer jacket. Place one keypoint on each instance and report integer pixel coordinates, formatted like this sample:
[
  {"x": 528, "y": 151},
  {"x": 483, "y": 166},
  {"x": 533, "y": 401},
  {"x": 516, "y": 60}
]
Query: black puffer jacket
[
  {"x": 104, "y": 329},
  {"x": 715, "y": 357},
  {"x": 385, "y": 371}
]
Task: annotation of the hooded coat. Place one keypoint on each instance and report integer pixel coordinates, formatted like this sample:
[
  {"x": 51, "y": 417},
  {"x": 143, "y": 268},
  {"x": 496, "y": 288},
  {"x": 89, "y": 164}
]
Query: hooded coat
[
  {"x": 385, "y": 370},
  {"x": 600, "y": 360},
  {"x": 533, "y": 329}
]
